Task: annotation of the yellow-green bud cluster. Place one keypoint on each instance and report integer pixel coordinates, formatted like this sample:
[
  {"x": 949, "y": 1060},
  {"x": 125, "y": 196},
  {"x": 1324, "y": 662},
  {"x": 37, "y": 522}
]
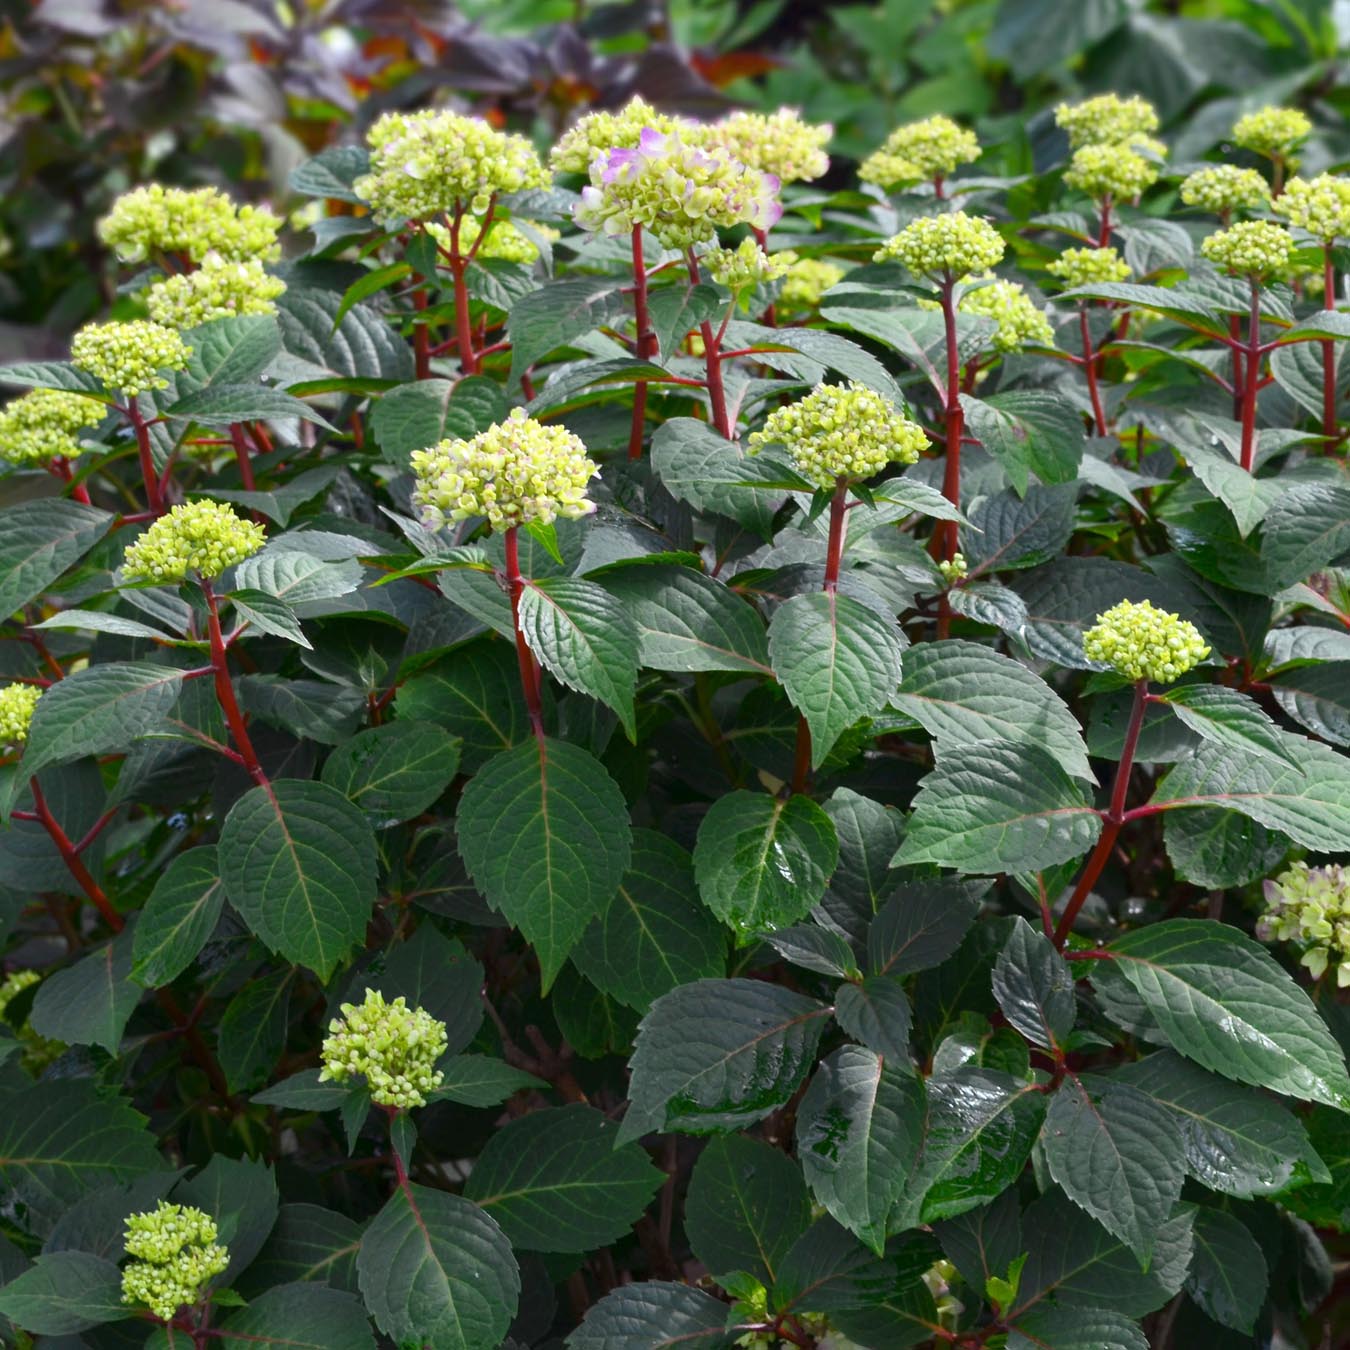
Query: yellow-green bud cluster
[
  {"x": 1319, "y": 205},
  {"x": 1020, "y": 323},
  {"x": 603, "y": 131},
  {"x": 806, "y": 280},
  {"x": 953, "y": 569},
  {"x": 1144, "y": 643},
  {"x": 1108, "y": 119},
  {"x": 393, "y": 1047},
  {"x": 503, "y": 241},
  {"x": 424, "y": 164},
  {"x": 1253, "y": 248},
  {"x": 195, "y": 222},
  {"x": 1088, "y": 267},
  {"x": 513, "y": 473},
  {"x": 218, "y": 289},
  {"x": 932, "y": 148},
  {"x": 17, "y": 702},
  {"x": 1310, "y": 906},
  {"x": 176, "y": 1256},
  {"x": 1274, "y": 132},
  {"x": 1113, "y": 171},
  {"x": 129, "y": 356},
  {"x": 841, "y": 431},
  {"x": 779, "y": 143},
  {"x": 953, "y": 244},
  {"x": 744, "y": 266},
  {"x": 16, "y": 982},
  {"x": 40, "y": 426},
  {"x": 204, "y": 537},
  {"x": 1225, "y": 187}
]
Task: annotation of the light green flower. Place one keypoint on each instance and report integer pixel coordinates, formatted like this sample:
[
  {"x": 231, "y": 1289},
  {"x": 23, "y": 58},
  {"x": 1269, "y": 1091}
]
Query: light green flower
[
  {"x": 1310, "y": 907},
  {"x": 129, "y": 357},
  {"x": 954, "y": 569},
  {"x": 1110, "y": 171},
  {"x": 1253, "y": 248},
  {"x": 1088, "y": 267},
  {"x": 1274, "y": 132},
  {"x": 218, "y": 289},
  {"x": 1020, "y": 323},
  {"x": 17, "y": 702},
  {"x": 204, "y": 537},
  {"x": 1319, "y": 205},
  {"x": 1143, "y": 643},
  {"x": 177, "y": 1256},
  {"x": 513, "y": 473},
  {"x": 806, "y": 280},
  {"x": 424, "y": 164},
  {"x": 932, "y": 148},
  {"x": 1108, "y": 119},
  {"x": 190, "y": 222},
  {"x": 1225, "y": 187},
  {"x": 777, "y": 143},
  {"x": 40, "y": 426},
  {"x": 16, "y": 981},
  {"x": 951, "y": 245},
  {"x": 742, "y": 267},
  {"x": 841, "y": 431},
  {"x": 605, "y": 131},
  {"x": 393, "y": 1047}
]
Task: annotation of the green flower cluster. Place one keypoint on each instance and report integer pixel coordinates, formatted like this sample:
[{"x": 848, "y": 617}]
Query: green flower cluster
[
  {"x": 1252, "y": 248},
  {"x": 744, "y": 266},
  {"x": 1225, "y": 187},
  {"x": 1108, "y": 119},
  {"x": 424, "y": 164},
  {"x": 204, "y": 537},
  {"x": 513, "y": 473},
  {"x": 1273, "y": 132},
  {"x": 779, "y": 143},
  {"x": 17, "y": 981},
  {"x": 1088, "y": 267},
  {"x": 605, "y": 131},
  {"x": 129, "y": 356},
  {"x": 1020, "y": 323},
  {"x": 1110, "y": 171},
  {"x": 17, "y": 702},
  {"x": 218, "y": 289},
  {"x": 1319, "y": 205},
  {"x": 392, "y": 1046},
  {"x": 841, "y": 431},
  {"x": 176, "y": 1257},
  {"x": 40, "y": 426},
  {"x": 1144, "y": 643},
  {"x": 503, "y": 241},
  {"x": 38, "y": 1051},
  {"x": 954, "y": 569},
  {"x": 806, "y": 280},
  {"x": 1310, "y": 906},
  {"x": 194, "y": 222},
  {"x": 932, "y": 148},
  {"x": 952, "y": 245}
]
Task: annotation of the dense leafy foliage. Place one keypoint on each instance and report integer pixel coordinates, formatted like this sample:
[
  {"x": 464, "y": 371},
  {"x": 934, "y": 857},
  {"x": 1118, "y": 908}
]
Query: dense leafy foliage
[{"x": 680, "y": 741}]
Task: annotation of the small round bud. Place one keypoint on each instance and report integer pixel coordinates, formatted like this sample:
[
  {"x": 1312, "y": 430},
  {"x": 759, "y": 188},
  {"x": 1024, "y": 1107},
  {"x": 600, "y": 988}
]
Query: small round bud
[
  {"x": 218, "y": 289},
  {"x": 932, "y": 148},
  {"x": 17, "y": 702},
  {"x": 1223, "y": 188},
  {"x": 1088, "y": 267},
  {"x": 806, "y": 280},
  {"x": 1310, "y": 907},
  {"x": 1273, "y": 132},
  {"x": 40, "y": 426},
  {"x": 951, "y": 245},
  {"x": 191, "y": 222},
  {"x": 777, "y": 143},
  {"x": 177, "y": 1256},
  {"x": 392, "y": 1046},
  {"x": 513, "y": 473},
  {"x": 841, "y": 431},
  {"x": 1107, "y": 119},
  {"x": 1143, "y": 643},
  {"x": 1252, "y": 248},
  {"x": 1319, "y": 205},
  {"x": 1020, "y": 323},
  {"x": 953, "y": 569},
  {"x": 128, "y": 357},
  {"x": 605, "y": 131},
  {"x": 204, "y": 537},
  {"x": 1110, "y": 171}
]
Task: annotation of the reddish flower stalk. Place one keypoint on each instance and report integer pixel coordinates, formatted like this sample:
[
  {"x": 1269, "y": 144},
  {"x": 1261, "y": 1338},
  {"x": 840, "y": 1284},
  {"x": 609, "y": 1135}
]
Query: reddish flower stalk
[
  {"x": 241, "y": 453},
  {"x": 229, "y": 705},
  {"x": 1251, "y": 378},
  {"x": 943, "y": 545},
  {"x": 529, "y": 667},
  {"x": 712, "y": 362},
  {"x": 1090, "y": 359},
  {"x": 154, "y": 498},
  {"x": 1328, "y": 345},
  {"x": 646, "y": 344}
]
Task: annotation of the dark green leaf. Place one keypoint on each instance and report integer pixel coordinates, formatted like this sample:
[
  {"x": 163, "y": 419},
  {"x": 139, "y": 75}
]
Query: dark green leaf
[
  {"x": 253, "y": 1030},
  {"x": 394, "y": 772},
  {"x": 922, "y": 925},
  {"x": 178, "y": 918},
  {"x": 299, "y": 1317},
  {"x": 1228, "y": 1276},
  {"x": 417, "y": 416},
  {"x": 90, "y": 1002},
  {"x": 653, "y": 1315},
  {"x": 876, "y": 1012},
  {"x": 478, "y": 1080},
  {"x": 1034, "y": 987},
  {"x": 39, "y": 540},
  {"x": 63, "y": 1293}
]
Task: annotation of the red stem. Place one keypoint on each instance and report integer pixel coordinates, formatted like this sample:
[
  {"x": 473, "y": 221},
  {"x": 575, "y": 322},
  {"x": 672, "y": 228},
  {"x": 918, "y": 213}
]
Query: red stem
[
  {"x": 229, "y": 705},
  {"x": 70, "y": 855},
  {"x": 153, "y": 497},
  {"x": 1328, "y": 346},
  {"x": 529, "y": 667},
  {"x": 943, "y": 545},
  {"x": 646, "y": 342},
  {"x": 1235, "y": 333},
  {"x": 712, "y": 362},
  {"x": 1252, "y": 380},
  {"x": 241, "y": 455},
  {"x": 1090, "y": 369},
  {"x": 60, "y": 466},
  {"x": 1104, "y": 233},
  {"x": 459, "y": 265}
]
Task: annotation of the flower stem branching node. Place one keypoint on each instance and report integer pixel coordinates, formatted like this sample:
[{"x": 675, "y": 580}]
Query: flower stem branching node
[
  {"x": 932, "y": 148},
  {"x": 1310, "y": 906},
  {"x": 1107, "y": 119},
  {"x": 1144, "y": 643},
  {"x": 951, "y": 245},
  {"x": 129, "y": 357},
  {"x": 1224, "y": 188},
  {"x": 204, "y": 537},
  {"x": 393, "y": 1047},
  {"x": 1251, "y": 248},
  {"x": 1088, "y": 267},
  {"x": 218, "y": 289},
  {"x": 1319, "y": 205},
  {"x": 17, "y": 702},
  {"x": 513, "y": 473},
  {"x": 176, "y": 1257},
  {"x": 841, "y": 431},
  {"x": 189, "y": 222},
  {"x": 1274, "y": 132},
  {"x": 41, "y": 425}
]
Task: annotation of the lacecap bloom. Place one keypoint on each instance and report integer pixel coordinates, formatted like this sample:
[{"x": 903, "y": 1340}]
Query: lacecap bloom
[
  {"x": 1319, "y": 205},
  {"x": 513, "y": 473},
  {"x": 40, "y": 426},
  {"x": 1310, "y": 906},
  {"x": 777, "y": 143},
  {"x": 742, "y": 267},
  {"x": 605, "y": 131},
  {"x": 1104, "y": 171},
  {"x": 1108, "y": 119},
  {"x": 1253, "y": 248},
  {"x": 176, "y": 1257},
  {"x": 1143, "y": 643},
  {"x": 1222, "y": 188},
  {"x": 218, "y": 289},
  {"x": 806, "y": 280},
  {"x": 953, "y": 244},
  {"x": 841, "y": 431},
  {"x": 934, "y": 147},
  {"x": 682, "y": 192},
  {"x": 1020, "y": 323},
  {"x": 424, "y": 164},
  {"x": 17, "y": 702},
  {"x": 204, "y": 537},
  {"x": 194, "y": 222},
  {"x": 393, "y": 1047},
  {"x": 129, "y": 357},
  {"x": 1273, "y": 132},
  {"x": 503, "y": 241},
  {"x": 1088, "y": 267}
]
